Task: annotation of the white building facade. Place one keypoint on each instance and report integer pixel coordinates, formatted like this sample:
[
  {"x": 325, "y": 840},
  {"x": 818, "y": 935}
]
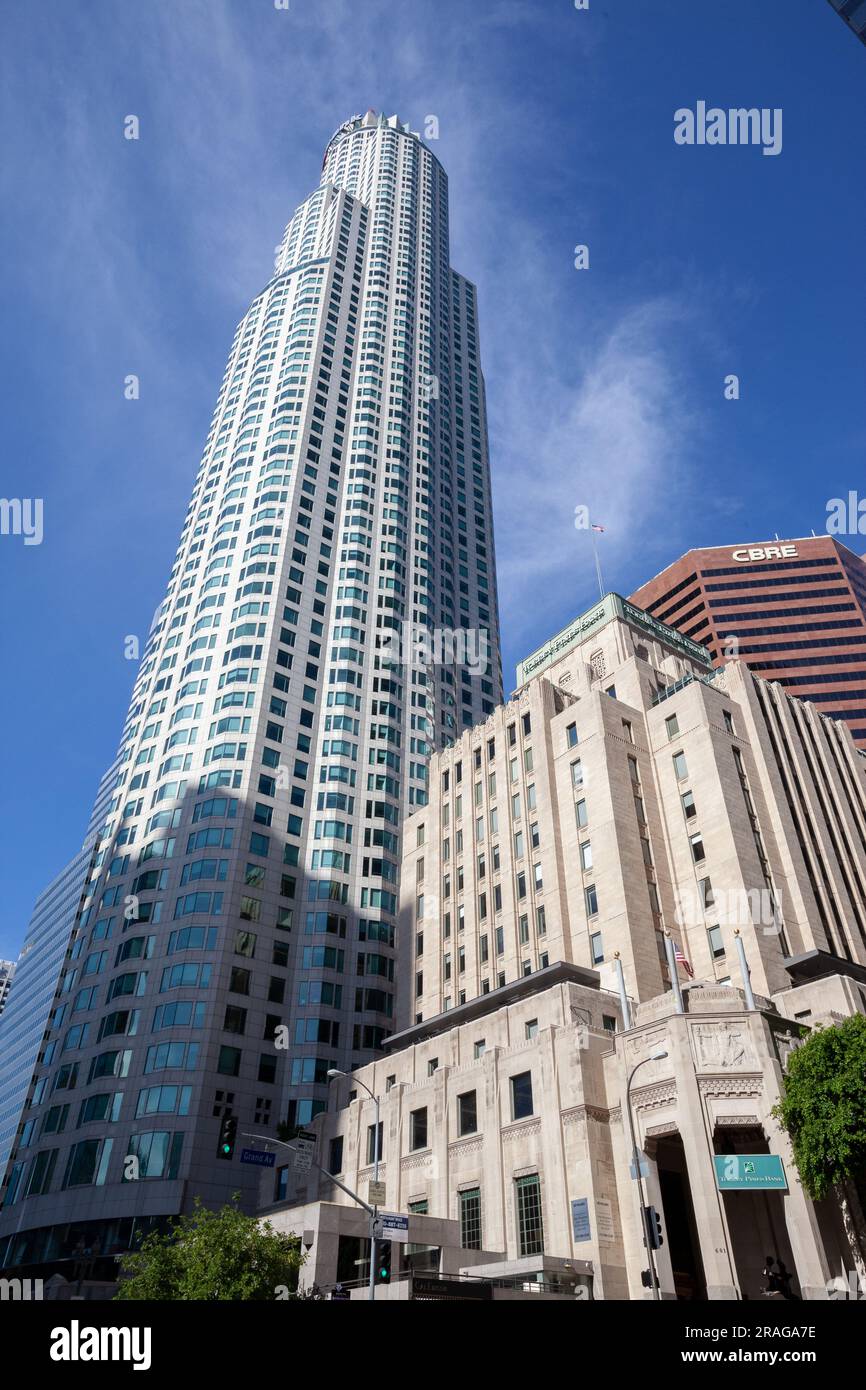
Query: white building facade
[{"x": 239, "y": 939}]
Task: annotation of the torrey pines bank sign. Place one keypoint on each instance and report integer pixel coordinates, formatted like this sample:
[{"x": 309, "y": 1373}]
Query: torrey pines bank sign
[{"x": 611, "y": 606}]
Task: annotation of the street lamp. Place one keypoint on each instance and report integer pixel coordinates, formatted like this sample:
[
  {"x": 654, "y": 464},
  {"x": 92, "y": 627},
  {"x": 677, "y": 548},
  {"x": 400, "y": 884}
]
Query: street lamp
[
  {"x": 332, "y": 1072},
  {"x": 267, "y": 1139},
  {"x": 657, "y": 1056}
]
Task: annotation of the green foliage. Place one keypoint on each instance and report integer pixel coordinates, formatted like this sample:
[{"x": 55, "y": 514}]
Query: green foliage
[
  {"x": 824, "y": 1106},
  {"x": 213, "y": 1255}
]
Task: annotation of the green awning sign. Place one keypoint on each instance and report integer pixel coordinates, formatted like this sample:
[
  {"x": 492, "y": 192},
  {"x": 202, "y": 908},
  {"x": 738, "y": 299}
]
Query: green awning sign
[{"x": 750, "y": 1172}]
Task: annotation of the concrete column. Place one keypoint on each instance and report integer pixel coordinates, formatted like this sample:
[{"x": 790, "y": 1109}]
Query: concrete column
[
  {"x": 716, "y": 1253},
  {"x": 497, "y": 1183}
]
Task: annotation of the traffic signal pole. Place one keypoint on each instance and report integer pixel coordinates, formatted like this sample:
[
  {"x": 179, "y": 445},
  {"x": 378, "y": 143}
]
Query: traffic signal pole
[
  {"x": 373, "y": 1213},
  {"x": 644, "y": 1213}
]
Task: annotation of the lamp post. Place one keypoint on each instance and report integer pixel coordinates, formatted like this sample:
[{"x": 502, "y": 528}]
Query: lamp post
[
  {"x": 334, "y": 1071},
  {"x": 268, "y": 1139},
  {"x": 656, "y": 1056}
]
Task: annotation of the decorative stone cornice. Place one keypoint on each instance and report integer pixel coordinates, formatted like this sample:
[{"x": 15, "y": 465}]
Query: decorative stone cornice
[
  {"x": 514, "y": 1132},
  {"x": 579, "y": 1114},
  {"x": 731, "y": 1085},
  {"x": 466, "y": 1146},
  {"x": 657, "y": 1131},
  {"x": 653, "y": 1097}
]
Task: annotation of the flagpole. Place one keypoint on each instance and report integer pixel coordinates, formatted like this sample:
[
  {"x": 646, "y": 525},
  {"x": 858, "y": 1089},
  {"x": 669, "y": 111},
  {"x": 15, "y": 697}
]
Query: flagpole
[{"x": 597, "y": 562}]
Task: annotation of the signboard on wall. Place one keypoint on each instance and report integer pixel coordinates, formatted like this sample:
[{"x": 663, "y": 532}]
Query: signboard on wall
[
  {"x": 750, "y": 1173},
  {"x": 580, "y": 1219},
  {"x": 604, "y": 1218}
]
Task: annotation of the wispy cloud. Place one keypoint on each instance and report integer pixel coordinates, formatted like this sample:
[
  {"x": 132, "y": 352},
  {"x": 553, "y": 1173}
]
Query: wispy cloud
[{"x": 615, "y": 434}]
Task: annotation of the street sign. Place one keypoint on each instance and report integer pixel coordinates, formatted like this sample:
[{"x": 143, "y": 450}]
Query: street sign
[
  {"x": 376, "y": 1193},
  {"x": 644, "y": 1167},
  {"x": 580, "y": 1219},
  {"x": 394, "y": 1227},
  {"x": 258, "y": 1157},
  {"x": 429, "y": 1288},
  {"x": 750, "y": 1172},
  {"x": 304, "y": 1144}
]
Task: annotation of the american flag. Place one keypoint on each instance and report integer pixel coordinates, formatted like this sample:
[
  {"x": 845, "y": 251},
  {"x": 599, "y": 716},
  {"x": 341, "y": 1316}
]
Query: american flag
[{"x": 681, "y": 960}]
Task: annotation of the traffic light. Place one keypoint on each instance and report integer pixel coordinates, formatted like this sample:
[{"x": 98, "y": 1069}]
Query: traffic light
[
  {"x": 228, "y": 1134},
  {"x": 654, "y": 1227},
  {"x": 383, "y": 1261}
]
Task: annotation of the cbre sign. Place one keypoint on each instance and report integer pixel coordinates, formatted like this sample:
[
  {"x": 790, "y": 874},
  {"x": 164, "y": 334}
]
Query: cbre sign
[{"x": 764, "y": 552}]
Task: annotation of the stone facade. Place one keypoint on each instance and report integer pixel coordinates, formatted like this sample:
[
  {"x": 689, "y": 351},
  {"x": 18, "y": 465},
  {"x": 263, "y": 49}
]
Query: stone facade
[{"x": 711, "y": 1094}]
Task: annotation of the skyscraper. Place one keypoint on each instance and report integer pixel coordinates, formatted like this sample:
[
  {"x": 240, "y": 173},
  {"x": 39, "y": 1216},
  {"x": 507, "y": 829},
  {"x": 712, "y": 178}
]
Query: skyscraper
[
  {"x": 7, "y": 972},
  {"x": 854, "y": 14},
  {"x": 239, "y": 940},
  {"x": 48, "y": 947},
  {"x": 794, "y": 611}
]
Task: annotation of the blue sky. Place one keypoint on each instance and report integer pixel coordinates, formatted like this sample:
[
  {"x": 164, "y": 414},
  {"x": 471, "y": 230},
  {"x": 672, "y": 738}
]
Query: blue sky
[{"x": 605, "y": 386}]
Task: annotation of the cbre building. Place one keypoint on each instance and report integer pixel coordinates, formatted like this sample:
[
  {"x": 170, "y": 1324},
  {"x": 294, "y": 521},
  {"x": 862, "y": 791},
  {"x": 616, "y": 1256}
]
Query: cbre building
[
  {"x": 794, "y": 611},
  {"x": 238, "y": 940}
]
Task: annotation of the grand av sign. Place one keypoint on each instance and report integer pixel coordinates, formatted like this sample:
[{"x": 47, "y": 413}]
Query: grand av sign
[{"x": 764, "y": 552}]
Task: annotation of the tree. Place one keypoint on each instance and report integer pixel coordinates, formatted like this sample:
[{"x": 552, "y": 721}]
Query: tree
[
  {"x": 823, "y": 1110},
  {"x": 214, "y": 1255}
]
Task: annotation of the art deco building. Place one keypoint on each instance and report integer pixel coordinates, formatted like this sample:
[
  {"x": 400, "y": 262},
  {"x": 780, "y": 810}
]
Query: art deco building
[
  {"x": 635, "y": 886},
  {"x": 239, "y": 939},
  {"x": 629, "y": 788}
]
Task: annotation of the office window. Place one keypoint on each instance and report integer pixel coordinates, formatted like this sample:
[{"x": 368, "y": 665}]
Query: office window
[
  {"x": 698, "y": 851},
  {"x": 717, "y": 946},
  {"x": 608, "y": 1023},
  {"x": 521, "y": 1095},
  {"x": 689, "y": 808},
  {"x": 596, "y": 949},
  {"x": 571, "y": 735},
  {"x": 267, "y": 1068},
  {"x": 680, "y": 767},
  {"x": 432, "y": 1065},
  {"x": 577, "y": 773},
  {"x": 235, "y": 1020},
  {"x": 418, "y": 1128},
  {"x": 586, "y": 855},
  {"x": 591, "y": 896},
  {"x": 530, "y": 1227},
  {"x": 672, "y": 726},
  {"x": 531, "y": 1028},
  {"x": 470, "y": 1218},
  {"x": 335, "y": 1155},
  {"x": 729, "y": 723},
  {"x": 467, "y": 1112},
  {"x": 229, "y": 1063},
  {"x": 479, "y": 1048},
  {"x": 372, "y": 1138},
  {"x": 419, "y": 1208}
]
